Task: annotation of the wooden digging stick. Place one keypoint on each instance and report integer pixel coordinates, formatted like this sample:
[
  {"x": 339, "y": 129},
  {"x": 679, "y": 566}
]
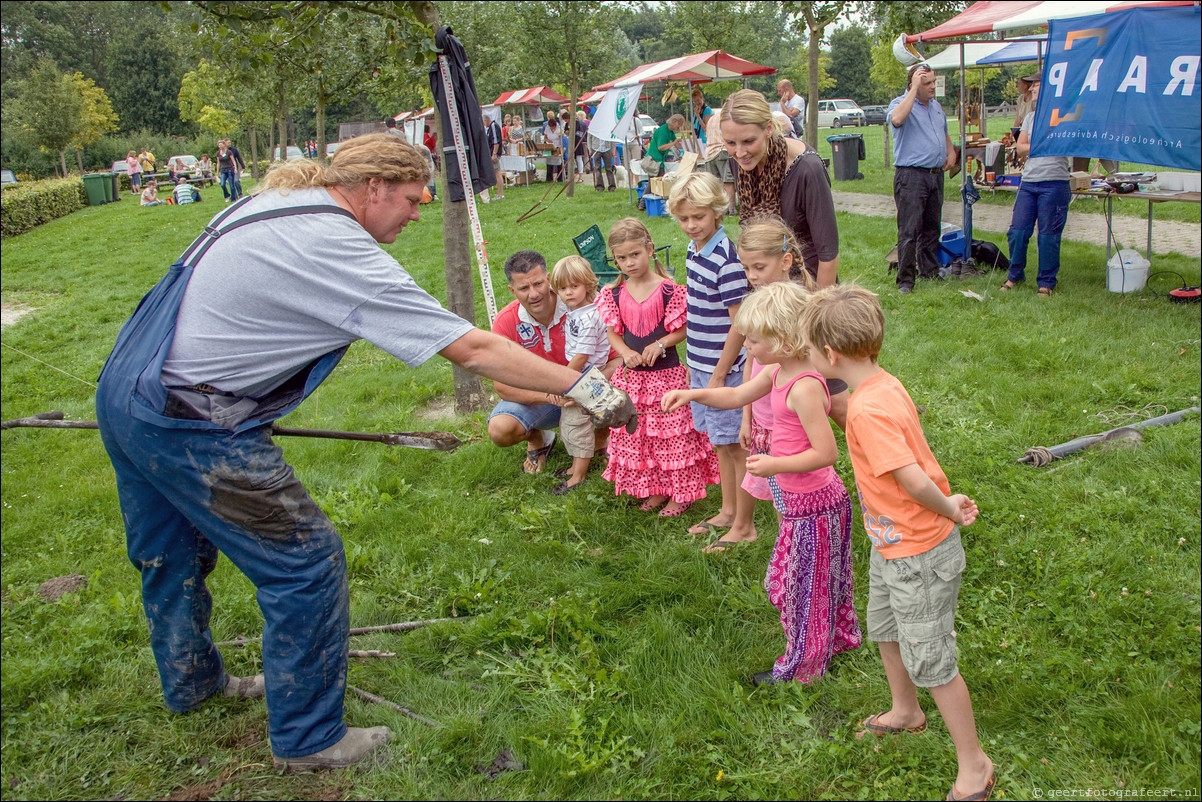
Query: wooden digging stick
[
  {"x": 242, "y": 641},
  {"x": 376, "y": 700}
]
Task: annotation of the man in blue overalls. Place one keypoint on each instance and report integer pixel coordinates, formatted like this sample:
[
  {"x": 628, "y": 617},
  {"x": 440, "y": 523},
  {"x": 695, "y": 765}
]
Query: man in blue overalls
[{"x": 245, "y": 325}]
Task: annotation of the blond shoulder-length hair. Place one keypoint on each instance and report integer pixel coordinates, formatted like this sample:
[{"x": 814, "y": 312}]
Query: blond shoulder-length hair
[{"x": 357, "y": 161}]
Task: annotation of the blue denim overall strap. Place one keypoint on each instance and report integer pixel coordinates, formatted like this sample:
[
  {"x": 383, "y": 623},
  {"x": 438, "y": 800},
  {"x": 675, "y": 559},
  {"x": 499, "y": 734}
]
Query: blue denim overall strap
[{"x": 145, "y": 339}]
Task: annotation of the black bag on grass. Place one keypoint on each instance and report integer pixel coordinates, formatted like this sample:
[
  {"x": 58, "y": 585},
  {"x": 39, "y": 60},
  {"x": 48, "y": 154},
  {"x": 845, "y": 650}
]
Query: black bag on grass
[{"x": 988, "y": 255}]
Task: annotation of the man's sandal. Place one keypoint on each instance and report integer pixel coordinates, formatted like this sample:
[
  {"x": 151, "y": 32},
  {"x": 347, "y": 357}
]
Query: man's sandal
[
  {"x": 536, "y": 458},
  {"x": 1045, "y": 292},
  {"x": 873, "y": 727},
  {"x": 1007, "y": 285}
]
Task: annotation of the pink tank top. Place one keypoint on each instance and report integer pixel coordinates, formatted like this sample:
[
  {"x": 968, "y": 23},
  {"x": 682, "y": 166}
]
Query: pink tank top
[
  {"x": 789, "y": 437},
  {"x": 761, "y": 408}
]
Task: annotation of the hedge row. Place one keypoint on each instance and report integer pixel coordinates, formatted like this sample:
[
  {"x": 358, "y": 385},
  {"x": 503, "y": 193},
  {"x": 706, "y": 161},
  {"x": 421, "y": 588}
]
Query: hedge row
[{"x": 29, "y": 204}]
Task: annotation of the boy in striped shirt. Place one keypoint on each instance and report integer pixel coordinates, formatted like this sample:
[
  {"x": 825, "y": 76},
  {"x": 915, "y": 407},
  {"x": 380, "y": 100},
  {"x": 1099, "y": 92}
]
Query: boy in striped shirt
[{"x": 716, "y": 286}]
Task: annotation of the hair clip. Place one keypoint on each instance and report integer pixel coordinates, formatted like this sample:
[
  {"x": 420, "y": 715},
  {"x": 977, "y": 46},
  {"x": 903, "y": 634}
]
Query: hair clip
[{"x": 784, "y": 243}]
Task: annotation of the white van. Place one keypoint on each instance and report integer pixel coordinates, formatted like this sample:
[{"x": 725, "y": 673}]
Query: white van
[{"x": 838, "y": 113}]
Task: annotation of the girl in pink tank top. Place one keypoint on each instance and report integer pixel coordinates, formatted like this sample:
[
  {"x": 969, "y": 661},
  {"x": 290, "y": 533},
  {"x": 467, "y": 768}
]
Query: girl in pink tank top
[{"x": 809, "y": 579}]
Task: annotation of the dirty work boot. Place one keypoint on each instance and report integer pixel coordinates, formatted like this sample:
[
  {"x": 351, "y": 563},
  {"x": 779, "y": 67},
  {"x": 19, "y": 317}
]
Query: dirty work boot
[
  {"x": 245, "y": 687},
  {"x": 357, "y": 744}
]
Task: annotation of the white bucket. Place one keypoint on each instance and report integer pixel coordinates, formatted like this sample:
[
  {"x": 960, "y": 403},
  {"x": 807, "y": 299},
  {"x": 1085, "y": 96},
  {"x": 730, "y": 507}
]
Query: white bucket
[{"x": 1127, "y": 271}]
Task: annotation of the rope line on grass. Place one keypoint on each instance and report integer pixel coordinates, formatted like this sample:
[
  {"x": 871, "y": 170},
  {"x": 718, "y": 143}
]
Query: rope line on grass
[{"x": 47, "y": 364}]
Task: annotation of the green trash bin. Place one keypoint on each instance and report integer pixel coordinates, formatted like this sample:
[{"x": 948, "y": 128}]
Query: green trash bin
[
  {"x": 108, "y": 188},
  {"x": 94, "y": 184}
]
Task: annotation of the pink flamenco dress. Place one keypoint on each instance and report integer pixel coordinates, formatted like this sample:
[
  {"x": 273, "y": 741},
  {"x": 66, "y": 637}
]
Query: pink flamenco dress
[{"x": 665, "y": 455}]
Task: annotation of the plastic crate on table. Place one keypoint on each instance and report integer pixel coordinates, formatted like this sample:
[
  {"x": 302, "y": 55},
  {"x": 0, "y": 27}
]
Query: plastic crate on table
[{"x": 656, "y": 206}]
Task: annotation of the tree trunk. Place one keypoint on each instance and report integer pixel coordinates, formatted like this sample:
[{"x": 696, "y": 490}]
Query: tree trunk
[
  {"x": 812, "y": 107},
  {"x": 62, "y": 160},
  {"x": 282, "y": 125},
  {"x": 320, "y": 122},
  {"x": 79, "y": 160},
  {"x": 570, "y": 150},
  {"x": 456, "y": 246},
  {"x": 254, "y": 153}
]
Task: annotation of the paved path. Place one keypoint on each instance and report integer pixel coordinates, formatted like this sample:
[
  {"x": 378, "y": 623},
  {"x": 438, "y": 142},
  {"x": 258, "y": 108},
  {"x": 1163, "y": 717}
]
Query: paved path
[{"x": 1167, "y": 235}]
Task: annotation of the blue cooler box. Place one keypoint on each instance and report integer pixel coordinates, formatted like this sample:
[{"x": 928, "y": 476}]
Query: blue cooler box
[
  {"x": 951, "y": 244},
  {"x": 656, "y": 206}
]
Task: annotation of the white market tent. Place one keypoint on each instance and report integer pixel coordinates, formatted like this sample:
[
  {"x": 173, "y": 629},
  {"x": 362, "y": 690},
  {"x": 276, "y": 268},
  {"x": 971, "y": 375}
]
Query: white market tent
[
  {"x": 982, "y": 54},
  {"x": 994, "y": 16}
]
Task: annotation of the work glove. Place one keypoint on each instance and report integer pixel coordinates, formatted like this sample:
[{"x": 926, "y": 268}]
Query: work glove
[{"x": 607, "y": 406}]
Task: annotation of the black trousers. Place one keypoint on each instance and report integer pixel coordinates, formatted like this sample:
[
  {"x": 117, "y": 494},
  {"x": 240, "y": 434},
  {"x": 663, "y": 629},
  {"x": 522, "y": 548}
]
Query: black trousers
[{"x": 918, "y": 194}]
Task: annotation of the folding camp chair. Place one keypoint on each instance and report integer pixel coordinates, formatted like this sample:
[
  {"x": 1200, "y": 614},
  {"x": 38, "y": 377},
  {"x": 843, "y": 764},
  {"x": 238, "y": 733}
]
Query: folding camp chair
[{"x": 591, "y": 245}]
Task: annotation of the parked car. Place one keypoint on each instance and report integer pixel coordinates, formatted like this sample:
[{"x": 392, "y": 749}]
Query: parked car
[
  {"x": 644, "y": 127},
  {"x": 187, "y": 164},
  {"x": 120, "y": 167},
  {"x": 7, "y": 177},
  {"x": 838, "y": 113},
  {"x": 293, "y": 153},
  {"x": 875, "y": 115},
  {"x": 330, "y": 148}
]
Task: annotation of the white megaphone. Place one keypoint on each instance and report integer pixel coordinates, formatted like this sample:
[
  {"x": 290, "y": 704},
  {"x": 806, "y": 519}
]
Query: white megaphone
[{"x": 904, "y": 52}]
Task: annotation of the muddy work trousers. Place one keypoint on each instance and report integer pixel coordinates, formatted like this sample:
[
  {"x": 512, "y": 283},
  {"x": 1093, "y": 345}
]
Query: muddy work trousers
[{"x": 187, "y": 495}]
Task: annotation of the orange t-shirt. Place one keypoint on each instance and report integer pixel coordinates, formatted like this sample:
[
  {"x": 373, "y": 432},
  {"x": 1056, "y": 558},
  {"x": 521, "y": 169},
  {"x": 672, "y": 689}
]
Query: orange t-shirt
[{"x": 883, "y": 434}]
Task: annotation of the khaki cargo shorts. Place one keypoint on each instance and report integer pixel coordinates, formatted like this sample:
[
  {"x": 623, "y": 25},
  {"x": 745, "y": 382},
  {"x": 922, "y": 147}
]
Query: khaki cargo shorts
[{"x": 912, "y": 602}]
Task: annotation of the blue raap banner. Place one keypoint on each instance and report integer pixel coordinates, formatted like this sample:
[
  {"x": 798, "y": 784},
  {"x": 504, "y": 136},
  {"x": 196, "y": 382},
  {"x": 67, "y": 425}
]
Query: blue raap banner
[{"x": 1123, "y": 86}]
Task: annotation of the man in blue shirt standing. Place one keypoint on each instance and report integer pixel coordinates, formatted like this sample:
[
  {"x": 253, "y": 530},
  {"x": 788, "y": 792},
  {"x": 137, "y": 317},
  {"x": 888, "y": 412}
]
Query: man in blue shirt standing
[{"x": 922, "y": 150}]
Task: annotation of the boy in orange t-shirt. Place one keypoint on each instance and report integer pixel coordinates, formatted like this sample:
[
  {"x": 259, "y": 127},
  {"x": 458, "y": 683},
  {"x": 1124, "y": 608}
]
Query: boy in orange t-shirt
[{"x": 913, "y": 522}]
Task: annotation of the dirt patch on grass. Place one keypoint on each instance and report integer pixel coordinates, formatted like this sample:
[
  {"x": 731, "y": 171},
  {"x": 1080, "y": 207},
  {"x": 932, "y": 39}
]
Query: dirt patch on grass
[
  {"x": 439, "y": 409},
  {"x": 54, "y": 589},
  {"x": 10, "y": 313}
]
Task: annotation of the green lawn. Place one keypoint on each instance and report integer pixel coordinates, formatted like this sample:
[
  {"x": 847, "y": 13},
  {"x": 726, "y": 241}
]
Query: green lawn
[{"x": 607, "y": 652}]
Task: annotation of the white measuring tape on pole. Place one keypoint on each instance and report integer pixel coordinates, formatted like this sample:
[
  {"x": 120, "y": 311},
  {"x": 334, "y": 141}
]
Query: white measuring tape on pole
[{"x": 465, "y": 175}]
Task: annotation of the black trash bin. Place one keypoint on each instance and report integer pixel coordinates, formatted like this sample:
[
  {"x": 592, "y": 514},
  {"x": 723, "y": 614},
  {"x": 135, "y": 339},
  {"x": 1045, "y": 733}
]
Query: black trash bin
[
  {"x": 846, "y": 152},
  {"x": 116, "y": 186}
]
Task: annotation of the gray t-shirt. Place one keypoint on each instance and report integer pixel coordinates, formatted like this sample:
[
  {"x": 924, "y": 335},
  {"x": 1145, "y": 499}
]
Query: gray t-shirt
[
  {"x": 1044, "y": 168},
  {"x": 272, "y": 296}
]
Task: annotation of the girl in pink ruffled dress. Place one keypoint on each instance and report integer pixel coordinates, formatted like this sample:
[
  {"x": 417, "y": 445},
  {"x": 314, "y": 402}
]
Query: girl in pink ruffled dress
[{"x": 666, "y": 461}]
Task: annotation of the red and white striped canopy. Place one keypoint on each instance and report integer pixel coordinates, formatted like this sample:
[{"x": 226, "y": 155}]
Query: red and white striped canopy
[
  {"x": 991, "y": 15},
  {"x": 713, "y": 65},
  {"x": 535, "y": 95},
  {"x": 589, "y": 98}
]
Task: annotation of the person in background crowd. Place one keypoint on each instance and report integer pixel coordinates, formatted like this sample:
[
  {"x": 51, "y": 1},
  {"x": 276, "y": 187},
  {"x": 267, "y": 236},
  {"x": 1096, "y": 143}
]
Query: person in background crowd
[
  {"x": 150, "y": 195},
  {"x": 793, "y": 105},
  {"x": 1043, "y": 197},
  {"x": 496, "y": 142},
  {"x": 922, "y": 151},
  {"x": 134, "y": 167},
  {"x": 701, "y": 116}
]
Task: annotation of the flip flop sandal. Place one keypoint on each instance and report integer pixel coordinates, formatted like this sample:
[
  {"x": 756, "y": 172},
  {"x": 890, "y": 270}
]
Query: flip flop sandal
[
  {"x": 536, "y": 458},
  {"x": 980, "y": 796},
  {"x": 563, "y": 488},
  {"x": 706, "y": 528},
  {"x": 649, "y": 505},
  {"x": 721, "y": 545},
  {"x": 878, "y": 730},
  {"x": 1045, "y": 292},
  {"x": 1007, "y": 285}
]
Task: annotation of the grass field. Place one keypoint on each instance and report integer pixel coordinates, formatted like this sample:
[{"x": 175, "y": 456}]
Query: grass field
[{"x": 607, "y": 652}]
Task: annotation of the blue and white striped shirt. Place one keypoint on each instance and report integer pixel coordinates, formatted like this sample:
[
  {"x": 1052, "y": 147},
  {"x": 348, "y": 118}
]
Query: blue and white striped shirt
[{"x": 715, "y": 280}]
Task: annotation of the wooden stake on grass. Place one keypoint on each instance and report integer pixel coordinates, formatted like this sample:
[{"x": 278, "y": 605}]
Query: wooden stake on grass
[
  {"x": 376, "y": 700},
  {"x": 241, "y": 641}
]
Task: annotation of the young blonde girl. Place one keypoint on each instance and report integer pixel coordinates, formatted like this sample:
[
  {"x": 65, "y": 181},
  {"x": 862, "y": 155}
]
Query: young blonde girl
[
  {"x": 666, "y": 459},
  {"x": 809, "y": 579},
  {"x": 769, "y": 252}
]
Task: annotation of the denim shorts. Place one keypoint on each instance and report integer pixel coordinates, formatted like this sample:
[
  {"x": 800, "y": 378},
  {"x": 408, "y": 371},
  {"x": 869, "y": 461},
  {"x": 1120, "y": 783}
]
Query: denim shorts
[
  {"x": 912, "y": 602},
  {"x": 720, "y": 425},
  {"x": 531, "y": 416}
]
